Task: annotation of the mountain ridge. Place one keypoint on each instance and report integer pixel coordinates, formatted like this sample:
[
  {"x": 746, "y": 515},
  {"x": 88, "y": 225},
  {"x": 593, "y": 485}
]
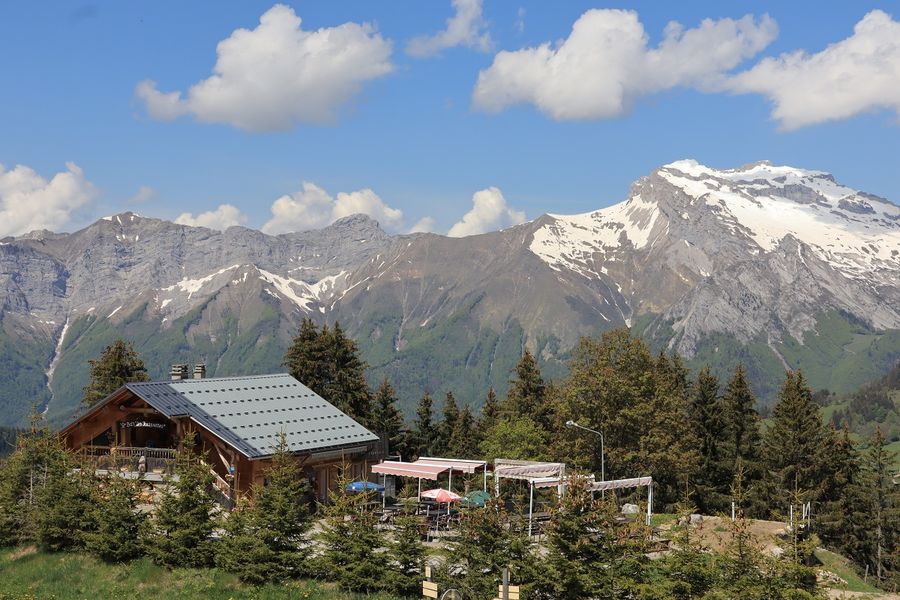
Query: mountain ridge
[{"x": 719, "y": 265}]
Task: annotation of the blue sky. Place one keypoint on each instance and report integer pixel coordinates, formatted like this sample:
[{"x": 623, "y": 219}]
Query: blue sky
[{"x": 405, "y": 129}]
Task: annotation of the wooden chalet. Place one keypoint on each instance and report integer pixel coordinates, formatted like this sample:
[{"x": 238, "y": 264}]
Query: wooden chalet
[{"x": 139, "y": 428}]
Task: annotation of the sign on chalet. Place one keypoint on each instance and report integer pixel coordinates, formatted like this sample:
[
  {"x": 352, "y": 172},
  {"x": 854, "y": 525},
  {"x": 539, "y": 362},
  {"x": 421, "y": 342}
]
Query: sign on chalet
[{"x": 139, "y": 427}]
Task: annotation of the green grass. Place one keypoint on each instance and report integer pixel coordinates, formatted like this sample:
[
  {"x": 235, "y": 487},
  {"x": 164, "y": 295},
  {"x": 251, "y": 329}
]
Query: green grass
[
  {"x": 658, "y": 519},
  {"x": 841, "y": 567},
  {"x": 46, "y": 576}
]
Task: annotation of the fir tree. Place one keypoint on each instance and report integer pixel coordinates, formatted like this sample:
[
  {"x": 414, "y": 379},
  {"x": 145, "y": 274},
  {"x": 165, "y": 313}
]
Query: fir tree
[
  {"x": 328, "y": 363},
  {"x": 668, "y": 446},
  {"x": 488, "y": 540},
  {"x": 449, "y": 419},
  {"x": 840, "y": 501},
  {"x": 242, "y": 552},
  {"x": 407, "y": 555},
  {"x": 64, "y": 509},
  {"x": 349, "y": 541},
  {"x": 387, "y": 421},
  {"x": 280, "y": 515},
  {"x": 118, "y": 364},
  {"x": 266, "y": 540},
  {"x": 306, "y": 359},
  {"x": 347, "y": 388},
  {"x": 425, "y": 431},
  {"x": 37, "y": 460},
  {"x": 741, "y": 422},
  {"x": 795, "y": 443},
  {"x": 121, "y": 527},
  {"x": 527, "y": 396},
  {"x": 884, "y": 521},
  {"x": 713, "y": 477},
  {"x": 184, "y": 518},
  {"x": 463, "y": 442},
  {"x": 587, "y": 551},
  {"x": 490, "y": 412}
]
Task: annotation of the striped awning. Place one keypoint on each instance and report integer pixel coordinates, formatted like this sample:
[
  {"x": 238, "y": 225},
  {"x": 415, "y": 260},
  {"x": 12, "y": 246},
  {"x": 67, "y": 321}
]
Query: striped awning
[
  {"x": 413, "y": 469},
  {"x": 616, "y": 484},
  {"x": 457, "y": 464}
]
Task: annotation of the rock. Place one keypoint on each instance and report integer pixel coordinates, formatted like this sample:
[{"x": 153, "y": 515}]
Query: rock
[{"x": 630, "y": 509}]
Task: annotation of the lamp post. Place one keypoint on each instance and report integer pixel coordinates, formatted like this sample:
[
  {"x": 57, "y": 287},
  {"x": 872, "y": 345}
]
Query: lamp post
[{"x": 572, "y": 424}]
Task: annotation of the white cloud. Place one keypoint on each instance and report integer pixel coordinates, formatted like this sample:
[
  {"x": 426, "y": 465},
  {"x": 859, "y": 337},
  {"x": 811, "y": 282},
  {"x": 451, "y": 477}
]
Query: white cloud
[
  {"x": 605, "y": 64},
  {"x": 29, "y": 202},
  {"x": 466, "y": 27},
  {"x": 520, "y": 20},
  {"x": 277, "y": 75},
  {"x": 423, "y": 225},
  {"x": 312, "y": 207},
  {"x": 223, "y": 217},
  {"x": 144, "y": 194},
  {"x": 489, "y": 212},
  {"x": 858, "y": 74}
]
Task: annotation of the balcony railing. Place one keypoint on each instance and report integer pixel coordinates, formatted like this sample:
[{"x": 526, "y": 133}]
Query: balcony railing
[{"x": 132, "y": 459}]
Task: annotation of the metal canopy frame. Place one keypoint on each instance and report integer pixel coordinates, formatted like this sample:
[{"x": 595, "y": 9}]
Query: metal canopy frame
[{"x": 429, "y": 467}]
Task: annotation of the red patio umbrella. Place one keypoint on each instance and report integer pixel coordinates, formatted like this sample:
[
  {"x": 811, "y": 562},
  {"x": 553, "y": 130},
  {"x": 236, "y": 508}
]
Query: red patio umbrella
[{"x": 441, "y": 495}]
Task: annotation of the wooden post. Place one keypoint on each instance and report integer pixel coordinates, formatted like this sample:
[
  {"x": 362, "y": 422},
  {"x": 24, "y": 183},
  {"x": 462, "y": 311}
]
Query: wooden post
[{"x": 505, "y": 591}]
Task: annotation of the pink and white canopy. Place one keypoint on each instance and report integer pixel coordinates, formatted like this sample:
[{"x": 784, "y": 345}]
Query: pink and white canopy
[{"x": 441, "y": 495}]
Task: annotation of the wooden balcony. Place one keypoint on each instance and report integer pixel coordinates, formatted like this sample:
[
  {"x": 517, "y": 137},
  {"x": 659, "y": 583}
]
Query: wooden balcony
[{"x": 152, "y": 464}]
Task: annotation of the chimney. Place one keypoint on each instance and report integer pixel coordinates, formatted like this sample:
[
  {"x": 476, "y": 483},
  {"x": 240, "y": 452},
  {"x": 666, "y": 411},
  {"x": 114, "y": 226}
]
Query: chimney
[
  {"x": 200, "y": 371},
  {"x": 179, "y": 372}
]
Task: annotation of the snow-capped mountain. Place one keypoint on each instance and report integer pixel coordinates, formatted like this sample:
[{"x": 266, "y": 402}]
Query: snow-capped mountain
[{"x": 775, "y": 266}]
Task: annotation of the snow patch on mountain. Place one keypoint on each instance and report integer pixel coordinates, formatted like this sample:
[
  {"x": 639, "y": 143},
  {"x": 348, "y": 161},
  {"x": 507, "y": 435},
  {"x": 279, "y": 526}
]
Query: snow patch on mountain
[
  {"x": 304, "y": 294},
  {"x": 855, "y": 232},
  {"x": 192, "y": 286},
  {"x": 577, "y": 241}
]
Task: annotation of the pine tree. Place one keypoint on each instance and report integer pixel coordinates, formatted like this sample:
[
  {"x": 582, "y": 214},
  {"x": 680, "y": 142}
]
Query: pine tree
[
  {"x": 795, "y": 443},
  {"x": 425, "y": 431},
  {"x": 463, "y": 442},
  {"x": 741, "y": 422},
  {"x": 387, "y": 421},
  {"x": 121, "y": 527},
  {"x": 713, "y": 477},
  {"x": 37, "y": 459},
  {"x": 184, "y": 516},
  {"x": 668, "y": 446},
  {"x": 488, "y": 540},
  {"x": 118, "y": 364},
  {"x": 527, "y": 396},
  {"x": 328, "y": 363},
  {"x": 347, "y": 388},
  {"x": 242, "y": 552},
  {"x": 267, "y": 541},
  {"x": 449, "y": 418},
  {"x": 349, "y": 541},
  {"x": 885, "y": 504},
  {"x": 407, "y": 555},
  {"x": 490, "y": 412},
  {"x": 839, "y": 500},
  {"x": 306, "y": 358},
  {"x": 588, "y": 553},
  {"x": 64, "y": 508}
]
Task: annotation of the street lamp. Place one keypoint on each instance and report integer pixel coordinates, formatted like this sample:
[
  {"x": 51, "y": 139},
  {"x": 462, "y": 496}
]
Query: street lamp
[{"x": 572, "y": 424}]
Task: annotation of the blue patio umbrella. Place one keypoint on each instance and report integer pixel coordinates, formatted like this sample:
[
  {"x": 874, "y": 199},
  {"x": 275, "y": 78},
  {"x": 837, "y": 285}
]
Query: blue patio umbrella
[{"x": 364, "y": 486}]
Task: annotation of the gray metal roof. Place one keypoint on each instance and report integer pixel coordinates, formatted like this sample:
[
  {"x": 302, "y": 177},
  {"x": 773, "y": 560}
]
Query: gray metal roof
[{"x": 248, "y": 413}]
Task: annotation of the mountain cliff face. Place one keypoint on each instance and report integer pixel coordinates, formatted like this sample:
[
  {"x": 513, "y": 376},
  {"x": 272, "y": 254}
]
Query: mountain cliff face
[{"x": 774, "y": 266}]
